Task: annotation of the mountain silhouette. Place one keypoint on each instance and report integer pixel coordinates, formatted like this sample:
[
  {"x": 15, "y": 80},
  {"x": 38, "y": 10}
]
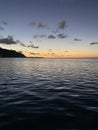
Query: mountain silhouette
[{"x": 10, "y": 53}]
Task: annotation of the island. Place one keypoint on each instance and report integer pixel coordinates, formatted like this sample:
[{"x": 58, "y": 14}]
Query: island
[{"x": 5, "y": 53}]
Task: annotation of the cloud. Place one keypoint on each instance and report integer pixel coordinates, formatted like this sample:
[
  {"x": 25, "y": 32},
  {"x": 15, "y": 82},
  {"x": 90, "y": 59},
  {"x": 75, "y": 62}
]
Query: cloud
[
  {"x": 4, "y": 23},
  {"x": 8, "y": 41},
  {"x": 41, "y": 25},
  {"x": 38, "y": 25},
  {"x": 22, "y": 44},
  {"x": 34, "y": 53},
  {"x": 56, "y": 31},
  {"x": 93, "y": 43},
  {"x": 33, "y": 24},
  {"x": 42, "y": 36},
  {"x": 53, "y": 53},
  {"x": 66, "y": 51},
  {"x": 61, "y": 35},
  {"x": 77, "y": 39},
  {"x": 1, "y": 28},
  {"x": 30, "y": 41},
  {"x": 39, "y": 36},
  {"x": 18, "y": 41},
  {"x": 36, "y": 36},
  {"x": 51, "y": 37},
  {"x": 62, "y": 24},
  {"x": 50, "y": 50},
  {"x": 33, "y": 46},
  {"x": 30, "y": 46}
]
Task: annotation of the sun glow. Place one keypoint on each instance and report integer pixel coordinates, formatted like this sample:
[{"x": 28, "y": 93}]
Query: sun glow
[{"x": 58, "y": 55}]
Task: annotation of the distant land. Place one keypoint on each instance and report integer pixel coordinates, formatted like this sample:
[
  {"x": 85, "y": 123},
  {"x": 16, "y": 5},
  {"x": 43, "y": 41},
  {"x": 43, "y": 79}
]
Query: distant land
[
  {"x": 34, "y": 57},
  {"x": 10, "y": 53},
  {"x": 5, "y": 53}
]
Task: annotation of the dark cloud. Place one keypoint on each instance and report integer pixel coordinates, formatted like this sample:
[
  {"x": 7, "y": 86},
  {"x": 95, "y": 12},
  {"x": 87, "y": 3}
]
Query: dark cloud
[
  {"x": 18, "y": 41},
  {"x": 61, "y": 35},
  {"x": 41, "y": 25},
  {"x": 38, "y": 25},
  {"x": 4, "y": 23},
  {"x": 42, "y": 36},
  {"x": 8, "y": 41},
  {"x": 53, "y": 53},
  {"x": 30, "y": 41},
  {"x": 39, "y": 36},
  {"x": 36, "y": 36},
  {"x": 1, "y": 28},
  {"x": 66, "y": 51},
  {"x": 77, "y": 39},
  {"x": 56, "y": 31},
  {"x": 22, "y": 44},
  {"x": 33, "y": 24},
  {"x": 93, "y": 43},
  {"x": 33, "y": 46},
  {"x": 30, "y": 46},
  {"x": 62, "y": 24},
  {"x": 51, "y": 37},
  {"x": 34, "y": 53},
  {"x": 50, "y": 50}
]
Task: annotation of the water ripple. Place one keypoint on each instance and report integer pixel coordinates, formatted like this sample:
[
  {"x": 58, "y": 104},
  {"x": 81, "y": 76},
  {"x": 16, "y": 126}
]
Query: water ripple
[{"x": 49, "y": 93}]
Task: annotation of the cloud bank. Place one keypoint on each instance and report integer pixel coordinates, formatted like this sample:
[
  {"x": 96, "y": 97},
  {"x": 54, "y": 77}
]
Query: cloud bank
[
  {"x": 77, "y": 39},
  {"x": 8, "y": 41},
  {"x": 93, "y": 43}
]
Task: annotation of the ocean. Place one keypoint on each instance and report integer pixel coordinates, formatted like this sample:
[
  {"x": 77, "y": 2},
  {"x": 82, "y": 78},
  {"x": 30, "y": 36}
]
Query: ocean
[{"x": 48, "y": 94}]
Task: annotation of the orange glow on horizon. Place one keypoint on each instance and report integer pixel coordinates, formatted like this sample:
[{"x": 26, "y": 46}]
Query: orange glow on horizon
[{"x": 46, "y": 55}]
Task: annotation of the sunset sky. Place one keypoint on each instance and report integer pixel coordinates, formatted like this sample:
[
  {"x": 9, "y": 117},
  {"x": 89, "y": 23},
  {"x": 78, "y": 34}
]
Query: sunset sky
[{"x": 50, "y": 28}]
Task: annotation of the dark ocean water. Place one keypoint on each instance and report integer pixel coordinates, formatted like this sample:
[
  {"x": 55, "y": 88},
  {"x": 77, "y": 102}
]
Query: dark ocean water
[{"x": 48, "y": 94}]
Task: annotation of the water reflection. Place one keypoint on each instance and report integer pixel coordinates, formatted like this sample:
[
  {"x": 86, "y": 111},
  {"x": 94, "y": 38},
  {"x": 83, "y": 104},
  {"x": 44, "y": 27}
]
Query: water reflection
[{"x": 48, "y": 93}]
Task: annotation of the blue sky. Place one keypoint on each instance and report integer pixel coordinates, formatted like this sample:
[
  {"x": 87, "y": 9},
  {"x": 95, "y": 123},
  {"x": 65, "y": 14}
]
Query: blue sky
[{"x": 55, "y": 28}]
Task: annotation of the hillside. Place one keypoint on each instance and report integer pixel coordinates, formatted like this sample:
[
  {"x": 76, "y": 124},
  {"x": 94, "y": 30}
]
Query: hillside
[{"x": 10, "y": 53}]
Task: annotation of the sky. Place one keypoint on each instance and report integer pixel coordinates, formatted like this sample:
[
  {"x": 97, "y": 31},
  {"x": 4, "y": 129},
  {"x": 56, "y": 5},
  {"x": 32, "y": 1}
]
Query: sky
[{"x": 50, "y": 28}]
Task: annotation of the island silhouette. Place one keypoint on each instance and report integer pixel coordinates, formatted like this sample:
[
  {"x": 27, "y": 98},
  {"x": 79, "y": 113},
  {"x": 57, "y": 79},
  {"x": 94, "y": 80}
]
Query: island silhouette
[{"x": 10, "y": 53}]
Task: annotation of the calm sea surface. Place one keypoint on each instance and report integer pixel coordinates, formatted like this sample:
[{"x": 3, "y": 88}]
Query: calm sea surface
[{"x": 48, "y": 94}]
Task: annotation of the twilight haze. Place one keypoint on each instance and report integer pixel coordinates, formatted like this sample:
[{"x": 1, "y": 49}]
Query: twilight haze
[{"x": 50, "y": 28}]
